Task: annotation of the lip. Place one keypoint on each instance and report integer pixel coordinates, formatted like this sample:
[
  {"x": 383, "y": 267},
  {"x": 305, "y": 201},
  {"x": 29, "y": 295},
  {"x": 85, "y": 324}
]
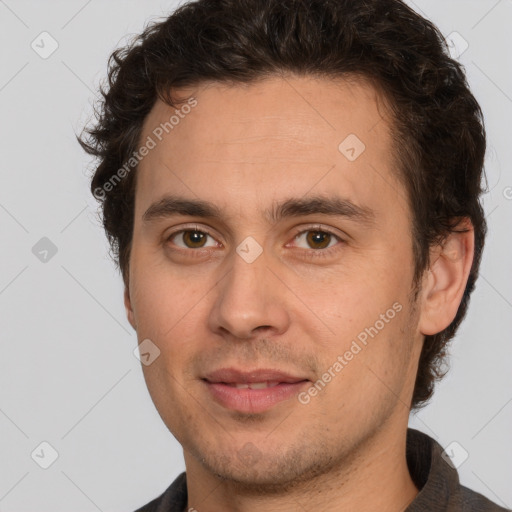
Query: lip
[
  {"x": 284, "y": 386},
  {"x": 233, "y": 376}
]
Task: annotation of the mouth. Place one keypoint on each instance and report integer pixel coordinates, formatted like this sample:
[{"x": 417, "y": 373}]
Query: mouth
[
  {"x": 252, "y": 385},
  {"x": 252, "y": 391}
]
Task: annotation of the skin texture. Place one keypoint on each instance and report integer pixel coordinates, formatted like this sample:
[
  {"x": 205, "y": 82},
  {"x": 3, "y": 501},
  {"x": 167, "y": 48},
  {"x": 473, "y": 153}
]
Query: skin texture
[{"x": 297, "y": 307}]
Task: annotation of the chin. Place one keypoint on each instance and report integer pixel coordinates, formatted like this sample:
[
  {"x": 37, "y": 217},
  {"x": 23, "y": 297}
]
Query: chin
[{"x": 270, "y": 473}]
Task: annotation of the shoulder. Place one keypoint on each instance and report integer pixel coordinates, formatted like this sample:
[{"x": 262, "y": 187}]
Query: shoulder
[
  {"x": 151, "y": 506},
  {"x": 473, "y": 501},
  {"x": 173, "y": 499},
  {"x": 438, "y": 480}
]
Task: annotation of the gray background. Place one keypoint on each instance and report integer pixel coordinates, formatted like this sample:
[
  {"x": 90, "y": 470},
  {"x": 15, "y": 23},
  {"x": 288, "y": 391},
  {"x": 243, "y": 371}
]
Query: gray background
[{"x": 68, "y": 375}]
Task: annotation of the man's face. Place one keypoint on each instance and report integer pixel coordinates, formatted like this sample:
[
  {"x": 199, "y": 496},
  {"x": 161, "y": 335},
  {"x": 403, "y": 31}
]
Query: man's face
[{"x": 272, "y": 281}]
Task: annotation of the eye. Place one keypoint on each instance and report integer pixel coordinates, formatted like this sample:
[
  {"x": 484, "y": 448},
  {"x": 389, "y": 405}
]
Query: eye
[
  {"x": 191, "y": 239},
  {"x": 316, "y": 239}
]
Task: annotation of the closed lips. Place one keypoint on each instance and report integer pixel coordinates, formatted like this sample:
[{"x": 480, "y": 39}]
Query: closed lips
[{"x": 252, "y": 379}]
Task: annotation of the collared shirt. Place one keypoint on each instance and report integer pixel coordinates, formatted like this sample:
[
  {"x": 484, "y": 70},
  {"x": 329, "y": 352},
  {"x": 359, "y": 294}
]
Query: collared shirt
[{"x": 437, "y": 481}]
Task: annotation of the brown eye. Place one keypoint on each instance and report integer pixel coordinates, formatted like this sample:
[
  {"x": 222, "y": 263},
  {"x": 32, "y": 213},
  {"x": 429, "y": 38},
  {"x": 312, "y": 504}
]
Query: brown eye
[
  {"x": 317, "y": 243},
  {"x": 194, "y": 239},
  {"x": 191, "y": 239},
  {"x": 318, "y": 239}
]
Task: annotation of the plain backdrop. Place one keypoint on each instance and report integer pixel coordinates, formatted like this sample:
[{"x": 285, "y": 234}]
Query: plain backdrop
[{"x": 68, "y": 376}]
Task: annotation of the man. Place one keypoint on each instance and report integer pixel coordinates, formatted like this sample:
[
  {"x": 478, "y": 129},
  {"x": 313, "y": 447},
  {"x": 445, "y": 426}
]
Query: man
[{"x": 291, "y": 188}]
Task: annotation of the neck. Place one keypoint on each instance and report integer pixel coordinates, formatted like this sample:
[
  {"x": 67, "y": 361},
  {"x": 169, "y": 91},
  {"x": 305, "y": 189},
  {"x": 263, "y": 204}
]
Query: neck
[{"x": 375, "y": 478}]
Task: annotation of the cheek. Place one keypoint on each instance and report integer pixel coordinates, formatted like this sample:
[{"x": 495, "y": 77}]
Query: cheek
[
  {"x": 369, "y": 327},
  {"x": 350, "y": 301},
  {"x": 171, "y": 311},
  {"x": 162, "y": 300},
  {"x": 374, "y": 368}
]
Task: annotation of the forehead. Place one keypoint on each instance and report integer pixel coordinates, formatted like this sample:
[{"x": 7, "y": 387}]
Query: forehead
[{"x": 241, "y": 145}]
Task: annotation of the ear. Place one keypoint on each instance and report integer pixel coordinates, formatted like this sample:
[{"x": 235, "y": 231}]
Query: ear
[
  {"x": 128, "y": 306},
  {"x": 445, "y": 281}
]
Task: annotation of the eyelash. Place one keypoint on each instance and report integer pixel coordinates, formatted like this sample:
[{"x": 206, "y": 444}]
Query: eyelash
[
  {"x": 309, "y": 253},
  {"x": 319, "y": 253}
]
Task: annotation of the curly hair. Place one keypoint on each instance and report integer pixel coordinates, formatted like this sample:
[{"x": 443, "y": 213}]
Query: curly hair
[{"x": 438, "y": 129}]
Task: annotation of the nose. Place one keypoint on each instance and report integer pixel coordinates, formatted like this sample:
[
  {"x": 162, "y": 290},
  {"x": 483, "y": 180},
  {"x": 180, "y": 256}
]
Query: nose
[{"x": 249, "y": 301}]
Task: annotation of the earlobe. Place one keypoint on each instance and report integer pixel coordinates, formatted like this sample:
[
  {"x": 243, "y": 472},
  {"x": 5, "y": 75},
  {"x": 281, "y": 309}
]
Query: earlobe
[
  {"x": 129, "y": 309},
  {"x": 445, "y": 281}
]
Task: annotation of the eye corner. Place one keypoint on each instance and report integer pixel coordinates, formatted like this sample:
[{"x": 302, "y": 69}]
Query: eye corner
[
  {"x": 316, "y": 252},
  {"x": 169, "y": 238}
]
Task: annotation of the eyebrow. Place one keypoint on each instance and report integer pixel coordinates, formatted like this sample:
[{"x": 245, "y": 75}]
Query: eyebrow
[{"x": 325, "y": 205}]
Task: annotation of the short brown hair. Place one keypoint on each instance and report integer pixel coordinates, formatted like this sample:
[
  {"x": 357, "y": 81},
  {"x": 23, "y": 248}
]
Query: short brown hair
[{"x": 438, "y": 128}]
